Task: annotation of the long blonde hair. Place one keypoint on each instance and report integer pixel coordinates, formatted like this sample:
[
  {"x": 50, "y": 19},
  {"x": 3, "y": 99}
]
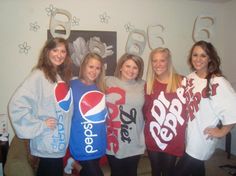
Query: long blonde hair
[
  {"x": 100, "y": 79},
  {"x": 174, "y": 78}
]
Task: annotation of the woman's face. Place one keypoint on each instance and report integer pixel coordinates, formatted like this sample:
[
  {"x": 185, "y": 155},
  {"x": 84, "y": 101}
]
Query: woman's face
[
  {"x": 160, "y": 64},
  {"x": 200, "y": 61},
  {"x": 92, "y": 70},
  {"x": 57, "y": 55},
  {"x": 129, "y": 70}
]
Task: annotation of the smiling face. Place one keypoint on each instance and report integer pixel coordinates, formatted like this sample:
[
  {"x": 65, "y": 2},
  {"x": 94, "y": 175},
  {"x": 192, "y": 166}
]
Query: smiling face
[
  {"x": 57, "y": 55},
  {"x": 91, "y": 71},
  {"x": 200, "y": 61},
  {"x": 129, "y": 70},
  {"x": 160, "y": 65}
]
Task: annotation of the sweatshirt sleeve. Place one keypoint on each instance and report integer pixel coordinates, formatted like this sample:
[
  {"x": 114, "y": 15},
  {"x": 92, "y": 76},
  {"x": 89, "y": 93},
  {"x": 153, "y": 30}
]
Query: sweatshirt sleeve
[
  {"x": 23, "y": 109},
  {"x": 224, "y": 103},
  {"x": 146, "y": 102}
]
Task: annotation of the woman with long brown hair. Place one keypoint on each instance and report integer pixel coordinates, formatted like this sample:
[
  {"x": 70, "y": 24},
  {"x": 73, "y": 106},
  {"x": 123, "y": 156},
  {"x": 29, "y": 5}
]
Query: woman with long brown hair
[
  {"x": 41, "y": 108},
  {"x": 210, "y": 100}
]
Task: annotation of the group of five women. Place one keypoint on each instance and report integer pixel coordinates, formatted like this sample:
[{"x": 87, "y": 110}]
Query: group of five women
[{"x": 121, "y": 116}]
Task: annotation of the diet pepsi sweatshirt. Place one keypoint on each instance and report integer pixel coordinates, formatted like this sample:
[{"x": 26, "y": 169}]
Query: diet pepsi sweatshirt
[
  {"x": 88, "y": 130},
  {"x": 34, "y": 101}
]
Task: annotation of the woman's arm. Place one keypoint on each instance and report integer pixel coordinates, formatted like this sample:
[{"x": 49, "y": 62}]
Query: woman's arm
[{"x": 218, "y": 132}]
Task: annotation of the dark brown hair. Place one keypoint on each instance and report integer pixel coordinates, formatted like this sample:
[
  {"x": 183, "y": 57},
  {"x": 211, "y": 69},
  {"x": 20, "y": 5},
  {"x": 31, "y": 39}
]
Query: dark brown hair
[
  {"x": 44, "y": 63},
  {"x": 214, "y": 61}
]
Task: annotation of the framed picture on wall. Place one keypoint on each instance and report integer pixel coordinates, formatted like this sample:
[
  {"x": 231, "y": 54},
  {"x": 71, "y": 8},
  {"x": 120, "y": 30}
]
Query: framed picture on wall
[{"x": 101, "y": 42}]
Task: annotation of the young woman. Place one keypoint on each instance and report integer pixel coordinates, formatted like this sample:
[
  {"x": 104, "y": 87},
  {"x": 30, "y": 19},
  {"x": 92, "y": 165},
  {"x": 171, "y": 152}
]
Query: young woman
[
  {"x": 125, "y": 98},
  {"x": 210, "y": 99},
  {"x": 41, "y": 108},
  {"x": 88, "y": 131},
  {"x": 164, "y": 111}
]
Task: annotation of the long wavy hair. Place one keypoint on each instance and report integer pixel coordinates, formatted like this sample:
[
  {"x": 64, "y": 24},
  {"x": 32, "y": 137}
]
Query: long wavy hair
[
  {"x": 174, "y": 80},
  {"x": 213, "y": 65},
  {"x": 64, "y": 70}
]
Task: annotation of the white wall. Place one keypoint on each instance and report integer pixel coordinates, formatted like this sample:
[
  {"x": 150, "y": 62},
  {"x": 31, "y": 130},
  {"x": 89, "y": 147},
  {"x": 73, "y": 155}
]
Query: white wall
[
  {"x": 226, "y": 46},
  {"x": 177, "y": 17}
]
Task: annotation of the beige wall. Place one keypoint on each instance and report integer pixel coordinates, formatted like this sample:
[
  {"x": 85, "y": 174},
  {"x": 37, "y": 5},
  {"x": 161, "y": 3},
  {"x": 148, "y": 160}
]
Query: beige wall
[{"x": 177, "y": 17}]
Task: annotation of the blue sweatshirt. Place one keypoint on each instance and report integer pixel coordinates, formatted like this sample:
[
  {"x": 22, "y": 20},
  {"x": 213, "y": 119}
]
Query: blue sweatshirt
[{"x": 88, "y": 130}]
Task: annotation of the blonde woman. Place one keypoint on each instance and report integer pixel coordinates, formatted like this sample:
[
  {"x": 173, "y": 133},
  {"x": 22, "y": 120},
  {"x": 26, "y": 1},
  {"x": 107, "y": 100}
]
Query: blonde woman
[
  {"x": 88, "y": 129},
  {"x": 164, "y": 111}
]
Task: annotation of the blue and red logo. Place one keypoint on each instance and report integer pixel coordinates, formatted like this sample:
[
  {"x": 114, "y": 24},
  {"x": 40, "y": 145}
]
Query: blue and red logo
[
  {"x": 92, "y": 106},
  {"x": 63, "y": 95}
]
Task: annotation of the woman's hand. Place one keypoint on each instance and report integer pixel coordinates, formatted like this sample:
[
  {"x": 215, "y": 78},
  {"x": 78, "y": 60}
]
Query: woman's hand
[
  {"x": 51, "y": 123},
  {"x": 217, "y": 132}
]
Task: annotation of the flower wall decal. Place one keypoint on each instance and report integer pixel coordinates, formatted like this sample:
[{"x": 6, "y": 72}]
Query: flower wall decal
[
  {"x": 34, "y": 27},
  {"x": 129, "y": 27},
  {"x": 104, "y": 18},
  {"x": 24, "y": 48},
  {"x": 50, "y": 10},
  {"x": 75, "y": 21}
]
